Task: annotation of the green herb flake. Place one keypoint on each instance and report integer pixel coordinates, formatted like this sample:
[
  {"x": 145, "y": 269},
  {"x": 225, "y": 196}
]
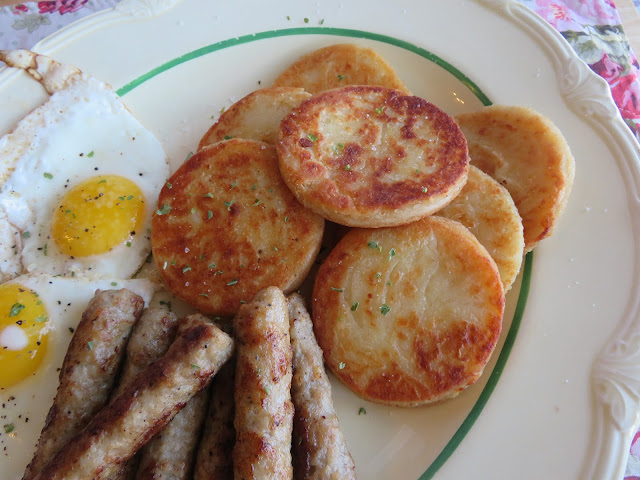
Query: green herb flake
[
  {"x": 347, "y": 167},
  {"x": 26, "y": 234},
  {"x": 16, "y": 308},
  {"x": 114, "y": 284},
  {"x": 253, "y": 188},
  {"x": 129, "y": 197},
  {"x": 45, "y": 249},
  {"x": 256, "y": 203},
  {"x": 186, "y": 269},
  {"x": 232, "y": 282},
  {"x": 424, "y": 189},
  {"x": 378, "y": 275},
  {"x": 189, "y": 155},
  {"x": 234, "y": 184},
  {"x": 288, "y": 17},
  {"x": 9, "y": 427},
  {"x": 306, "y": 20},
  {"x": 354, "y": 307},
  {"x": 211, "y": 265},
  {"x": 47, "y": 175},
  {"x": 380, "y": 110},
  {"x": 373, "y": 245},
  {"x": 227, "y": 137},
  {"x": 312, "y": 137},
  {"x": 209, "y": 214},
  {"x": 193, "y": 210},
  {"x": 195, "y": 367},
  {"x": 341, "y": 365},
  {"x": 392, "y": 253},
  {"x": 321, "y": 22},
  {"x": 208, "y": 195},
  {"x": 41, "y": 318},
  {"x": 166, "y": 208},
  {"x": 128, "y": 244},
  {"x": 90, "y": 154},
  {"x": 219, "y": 272},
  {"x": 384, "y": 309},
  {"x": 169, "y": 186},
  {"x": 228, "y": 204},
  {"x": 336, "y": 289},
  {"x": 286, "y": 219},
  {"x": 341, "y": 77},
  {"x": 90, "y": 345},
  {"x": 362, "y": 411},
  {"x": 204, "y": 295},
  {"x": 389, "y": 283},
  {"x": 104, "y": 181},
  {"x": 267, "y": 389}
]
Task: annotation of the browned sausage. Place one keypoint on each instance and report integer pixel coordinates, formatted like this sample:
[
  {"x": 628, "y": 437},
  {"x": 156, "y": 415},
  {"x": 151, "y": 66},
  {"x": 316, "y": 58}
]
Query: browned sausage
[
  {"x": 264, "y": 412},
  {"x": 319, "y": 448},
  {"x": 144, "y": 408},
  {"x": 88, "y": 371}
]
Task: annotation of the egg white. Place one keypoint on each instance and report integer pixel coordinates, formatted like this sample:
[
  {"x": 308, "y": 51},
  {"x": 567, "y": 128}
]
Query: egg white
[
  {"x": 82, "y": 131},
  {"x": 25, "y": 405}
]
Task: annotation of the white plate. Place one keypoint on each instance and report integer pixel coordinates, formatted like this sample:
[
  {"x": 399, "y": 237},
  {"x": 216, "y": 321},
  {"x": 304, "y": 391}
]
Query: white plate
[{"x": 563, "y": 402}]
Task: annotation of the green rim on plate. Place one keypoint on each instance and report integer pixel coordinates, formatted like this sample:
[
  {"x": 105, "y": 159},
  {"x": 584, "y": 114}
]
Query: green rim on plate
[{"x": 488, "y": 389}]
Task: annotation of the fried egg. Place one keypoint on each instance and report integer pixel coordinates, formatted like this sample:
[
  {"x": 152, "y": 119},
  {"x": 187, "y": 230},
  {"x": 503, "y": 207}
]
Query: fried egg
[
  {"x": 81, "y": 178},
  {"x": 38, "y": 316}
]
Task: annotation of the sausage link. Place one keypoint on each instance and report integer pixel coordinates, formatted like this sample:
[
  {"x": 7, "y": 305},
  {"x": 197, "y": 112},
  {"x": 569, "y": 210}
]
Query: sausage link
[
  {"x": 319, "y": 447},
  {"x": 264, "y": 412},
  {"x": 88, "y": 371},
  {"x": 144, "y": 408}
]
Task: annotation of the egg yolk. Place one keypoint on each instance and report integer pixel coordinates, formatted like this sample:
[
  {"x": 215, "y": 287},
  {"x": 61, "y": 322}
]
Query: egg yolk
[
  {"x": 23, "y": 333},
  {"x": 97, "y": 215}
]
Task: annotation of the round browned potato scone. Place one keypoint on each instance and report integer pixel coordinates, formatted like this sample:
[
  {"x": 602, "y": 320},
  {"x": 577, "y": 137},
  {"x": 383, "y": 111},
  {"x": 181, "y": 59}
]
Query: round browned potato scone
[
  {"x": 408, "y": 315},
  {"x": 526, "y": 153},
  {"x": 227, "y": 227},
  {"x": 257, "y": 116},
  {"x": 367, "y": 156},
  {"x": 337, "y": 66},
  {"x": 487, "y": 210}
]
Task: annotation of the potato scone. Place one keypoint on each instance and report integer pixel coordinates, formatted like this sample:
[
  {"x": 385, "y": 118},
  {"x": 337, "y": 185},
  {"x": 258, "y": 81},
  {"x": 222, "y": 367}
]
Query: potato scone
[
  {"x": 227, "y": 227},
  {"x": 367, "y": 156},
  {"x": 337, "y": 66},
  {"x": 408, "y": 315},
  {"x": 487, "y": 210},
  {"x": 257, "y": 116},
  {"x": 527, "y": 154}
]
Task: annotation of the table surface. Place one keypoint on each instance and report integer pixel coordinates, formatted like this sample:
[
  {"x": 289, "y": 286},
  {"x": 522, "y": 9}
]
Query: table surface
[{"x": 563, "y": 15}]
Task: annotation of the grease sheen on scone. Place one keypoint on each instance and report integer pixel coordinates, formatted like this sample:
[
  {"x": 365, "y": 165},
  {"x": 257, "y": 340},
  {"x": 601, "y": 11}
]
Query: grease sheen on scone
[
  {"x": 408, "y": 315},
  {"x": 527, "y": 154},
  {"x": 338, "y": 66},
  {"x": 369, "y": 156},
  {"x": 227, "y": 227},
  {"x": 256, "y": 116},
  {"x": 487, "y": 210}
]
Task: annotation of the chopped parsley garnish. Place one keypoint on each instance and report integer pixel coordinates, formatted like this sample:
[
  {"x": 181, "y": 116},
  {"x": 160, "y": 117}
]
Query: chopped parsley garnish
[
  {"x": 104, "y": 181},
  {"x": 16, "y": 308},
  {"x": 208, "y": 195},
  {"x": 424, "y": 189},
  {"x": 169, "y": 186},
  {"x": 341, "y": 77},
  {"x": 193, "y": 210},
  {"x": 354, "y": 307},
  {"x": 347, "y": 167},
  {"x": 186, "y": 269},
  {"x": 321, "y": 22},
  {"x": 380, "y": 109},
  {"x": 257, "y": 202},
  {"x": 286, "y": 219},
  {"x": 392, "y": 253},
  {"x": 312, "y": 137},
  {"x": 166, "y": 208},
  {"x": 341, "y": 365},
  {"x": 204, "y": 295},
  {"x": 41, "y": 318},
  {"x": 362, "y": 411},
  {"x": 9, "y": 427},
  {"x": 253, "y": 188},
  {"x": 389, "y": 283},
  {"x": 128, "y": 244},
  {"x": 195, "y": 367},
  {"x": 189, "y": 155},
  {"x": 211, "y": 265},
  {"x": 90, "y": 154},
  {"x": 288, "y": 17},
  {"x": 209, "y": 214},
  {"x": 228, "y": 204},
  {"x": 90, "y": 345},
  {"x": 373, "y": 245},
  {"x": 306, "y": 20},
  {"x": 114, "y": 284},
  {"x": 26, "y": 234},
  {"x": 227, "y": 137},
  {"x": 233, "y": 184},
  {"x": 336, "y": 289},
  {"x": 232, "y": 282},
  {"x": 378, "y": 275},
  {"x": 47, "y": 175},
  {"x": 384, "y": 309}
]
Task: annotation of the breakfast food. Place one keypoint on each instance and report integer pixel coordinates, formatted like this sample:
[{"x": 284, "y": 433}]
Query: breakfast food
[
  {"x": 170, "y": 452},
  {"x": 144, "y": 408},
  {"x": 408, "y": 315},
  {"x": 150, "y": 339},
  {"x": 77, "y": 206},
  {"x": 527, "y": 154},
  {"x": 264, "y": 412},
  {"x": 214, "y": 458},
  {"x": 319, "y": 449},
  {"x": 257, "y": 116},
  {"x": 487, "y": 210},
  {"x": 227, "y": 227},
  {"x": 337, "y": 66},
  {"x": 371, "y": 157}
]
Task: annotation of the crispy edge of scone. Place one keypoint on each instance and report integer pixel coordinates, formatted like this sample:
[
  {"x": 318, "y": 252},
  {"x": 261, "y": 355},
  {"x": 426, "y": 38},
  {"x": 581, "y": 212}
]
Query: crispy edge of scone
[
  {"x": 256, "y": 116},
  {"x": 319, "y": 447},
  {"x": 264, "y": 412},
  {"x": 88, "y": 371},
  {"x": 339, "y": 65},
  {"x": 144, "y": 408}
]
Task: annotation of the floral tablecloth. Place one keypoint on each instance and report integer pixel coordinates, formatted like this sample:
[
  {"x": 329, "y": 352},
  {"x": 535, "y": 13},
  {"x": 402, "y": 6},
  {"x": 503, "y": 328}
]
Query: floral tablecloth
[{"x": 592, "y": 28}]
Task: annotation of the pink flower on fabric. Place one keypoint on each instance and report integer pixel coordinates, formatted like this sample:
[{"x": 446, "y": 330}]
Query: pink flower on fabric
[
  {"x": 61, "y": 6},
  {"x": 557, "y": 14},
  {"x": 625, "y": 89},
  {"x": 21, "y": 8}
]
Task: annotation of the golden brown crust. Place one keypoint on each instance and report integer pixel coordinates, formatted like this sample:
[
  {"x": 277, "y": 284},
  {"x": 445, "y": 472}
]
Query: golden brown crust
[
  {"x": 527, "y": 154},
  {"x": 144, "y": 408},
  {"x": 89, "y": 370},
  {"x": 231, "y": 228},
  {"x": 488, "y": 211},
  {"x": 264, "y": 412},
  {"x": 338, "y": 66},
  {"x": 256, "y": 116},
  {"x": 371, "y": 157},
  {"x": 319, "y": 447},
  {"x": 408, "y": 315}
]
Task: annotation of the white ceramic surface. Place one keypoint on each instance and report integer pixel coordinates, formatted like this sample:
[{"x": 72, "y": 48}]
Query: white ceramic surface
[{"x": 565, "y": 402}]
